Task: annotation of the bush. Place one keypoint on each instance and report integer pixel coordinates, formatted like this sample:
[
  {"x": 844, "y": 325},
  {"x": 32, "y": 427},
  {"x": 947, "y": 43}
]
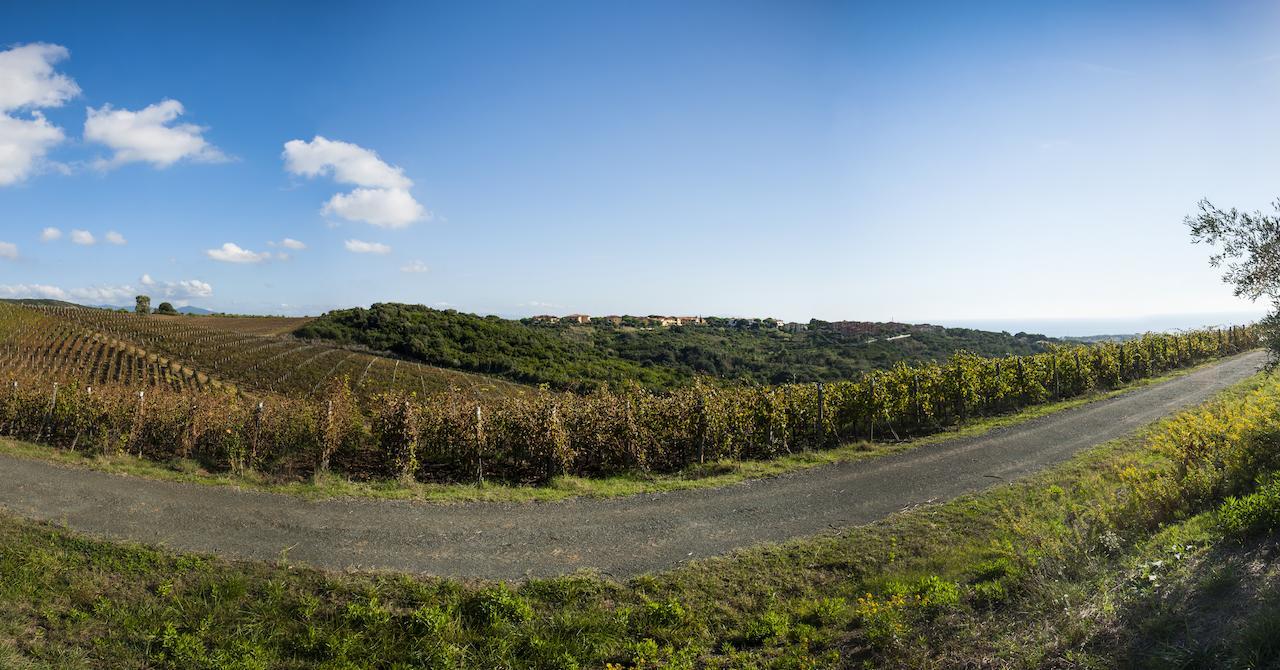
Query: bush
[{"x": 1253, "y": 514}]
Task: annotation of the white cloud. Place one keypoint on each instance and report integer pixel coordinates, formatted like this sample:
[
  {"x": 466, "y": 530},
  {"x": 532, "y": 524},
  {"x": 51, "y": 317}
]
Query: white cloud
[
  {"x": 232, "y": 253},
  {"x": 27, "y": 82},
  {"x": 23, "y": 145},
  {"x": 146, "y": 136},
  {"x": 112, "y": 237},
  {"x": 27, "y": 78},
  {"x": 179, "y": 292},
  {"x": 176, "y": 291},
  {"x": 50, "y": 234},
  {"x": 32, "y": 291},
  {"x": 359, "y": 247},
  {"x": 290, "y": 243},
  {"x": 83, "y": 237},
  {"x": 382, "y": 197},
  {"x": 103, "y": 295},
  {"x": 8, "y": 250},
  {"x": 415, "y": 267},
  {"x": 382, "y": 207},
  {"x": 347, "y": 163},
  {"x": 186, "y": 289}
]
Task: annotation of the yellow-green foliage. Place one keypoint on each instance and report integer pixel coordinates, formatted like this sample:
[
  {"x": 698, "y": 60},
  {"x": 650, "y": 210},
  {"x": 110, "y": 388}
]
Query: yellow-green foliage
[{"x": 537, "y": 435}]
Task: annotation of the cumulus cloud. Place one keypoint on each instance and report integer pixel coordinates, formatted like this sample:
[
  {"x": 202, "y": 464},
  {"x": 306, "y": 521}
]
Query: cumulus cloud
[
  {"x": 50, "y": 234},
  {"x": 386, "y": 208},
  {"x": 24, "y": 144},
  {"x": 112, "y": 237},
  {"x": 27, "y": 82},
  {"x": 415, "y": 267},
  {"x": 148, "y": 135},
  {"x": 347, "y": 163},
  {"x": 382, "y": 195},
  {"x": 179, "y": 291},
  {"x": 27, "y": 78},
  {"x": 8, "y": 250},
  {"x": 83, "y": 237},
  {"x": 232, "y": 253},
  {"x": 360, "y": 247},
  {"x": 183, "y": 290},
  {"x": 290, "y": 243},
  {"x": 32, "y": 291}
]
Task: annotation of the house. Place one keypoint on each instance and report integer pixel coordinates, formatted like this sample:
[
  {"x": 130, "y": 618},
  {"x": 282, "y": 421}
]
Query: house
[
  {"x": 546, "y": 318},
  {"x": 577, "y": 318},
  {"x": 613, "y": 319}
]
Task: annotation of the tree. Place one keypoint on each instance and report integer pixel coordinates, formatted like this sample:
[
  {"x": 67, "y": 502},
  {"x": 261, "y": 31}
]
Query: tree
[
  {"x": 1247, "y": 245},
  {"x": 142, "y": 304},
  {"x": 166, "y": 308}
]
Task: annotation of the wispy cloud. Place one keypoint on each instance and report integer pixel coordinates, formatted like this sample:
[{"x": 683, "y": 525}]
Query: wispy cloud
[
  {"x": 230, "y": 252},
  {"x": 361, "y": 247}
]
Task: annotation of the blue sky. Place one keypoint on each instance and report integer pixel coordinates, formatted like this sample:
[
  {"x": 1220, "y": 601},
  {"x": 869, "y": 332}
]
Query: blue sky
[{"x": 922, "y": 162}]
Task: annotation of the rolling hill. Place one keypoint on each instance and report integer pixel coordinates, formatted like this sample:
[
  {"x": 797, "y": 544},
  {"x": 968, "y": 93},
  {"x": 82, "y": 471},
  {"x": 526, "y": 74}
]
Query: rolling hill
[{"x": 581, "y": 356}]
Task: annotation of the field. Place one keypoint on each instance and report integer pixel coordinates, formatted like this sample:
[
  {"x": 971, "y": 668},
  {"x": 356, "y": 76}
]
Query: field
[
  {"x": 1153, "y": 551},
  {"x": 247, "y": 354},
  {"x": 295, "y": 408}
]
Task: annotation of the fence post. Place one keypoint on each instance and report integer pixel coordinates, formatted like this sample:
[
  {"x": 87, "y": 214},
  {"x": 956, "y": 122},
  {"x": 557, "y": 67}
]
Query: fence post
[
  {"x": 137, "y": 423},
  {"x": 997, "y": 386},
  {"x": 48, "y": 416},
  {"x": 822, "y": 425},
  {"x": 479, "y": 447},
  {"x": 871, "y": 414},
  {"x": 1057, "y": 391},
  {"x": 701, "y": 428},
  {"x": 257, "y": 428},
  {"x": 915, "y": 398}
]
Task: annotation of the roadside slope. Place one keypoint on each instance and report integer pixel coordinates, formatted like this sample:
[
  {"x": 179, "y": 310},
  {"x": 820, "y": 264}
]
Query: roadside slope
[{"x": 619, "y": 537}]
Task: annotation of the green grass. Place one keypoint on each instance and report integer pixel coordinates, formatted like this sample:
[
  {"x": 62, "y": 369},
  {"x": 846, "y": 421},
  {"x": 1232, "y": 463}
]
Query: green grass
[
  {"x": 710, "y": 475},
  {"x": 1054, "y": 570}
]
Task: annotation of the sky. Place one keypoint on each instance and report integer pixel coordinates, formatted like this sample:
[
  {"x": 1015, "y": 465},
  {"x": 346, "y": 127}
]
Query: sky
[{"x": 954, "y": 163}]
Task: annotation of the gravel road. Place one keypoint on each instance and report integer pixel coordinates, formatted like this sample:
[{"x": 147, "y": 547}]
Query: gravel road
[{"x": 621, "y": 537}]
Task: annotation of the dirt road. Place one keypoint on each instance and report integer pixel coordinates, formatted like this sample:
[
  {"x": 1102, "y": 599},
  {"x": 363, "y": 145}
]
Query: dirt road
[{"x": 621, "y": 537}]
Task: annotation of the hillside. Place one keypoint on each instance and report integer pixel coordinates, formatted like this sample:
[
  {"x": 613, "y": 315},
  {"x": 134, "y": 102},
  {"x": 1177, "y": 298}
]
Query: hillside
[
  {"x": 252, "y": 354},
  {"x": 581, "y": 356}
]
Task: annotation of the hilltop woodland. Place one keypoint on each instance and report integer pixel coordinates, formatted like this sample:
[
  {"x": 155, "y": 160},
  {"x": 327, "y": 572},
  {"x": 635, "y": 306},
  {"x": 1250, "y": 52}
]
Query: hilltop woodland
[{"x": 583, "y": 357}]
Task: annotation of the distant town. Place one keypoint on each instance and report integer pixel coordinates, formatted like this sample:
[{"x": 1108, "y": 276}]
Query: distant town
[{"x": 661, "y": 321}]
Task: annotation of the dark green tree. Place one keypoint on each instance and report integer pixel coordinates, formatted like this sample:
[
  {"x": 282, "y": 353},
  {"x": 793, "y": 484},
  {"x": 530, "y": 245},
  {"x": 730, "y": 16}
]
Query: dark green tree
[
  {"x": 1247, "y": 247},
  {"x": 142, "y": 304},
  {"x": 166, "y": 308}
]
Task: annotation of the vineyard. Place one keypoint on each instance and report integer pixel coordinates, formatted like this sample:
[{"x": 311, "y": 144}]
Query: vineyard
[
  {"x": 233, "y": 353},
  {"x": 330, "y": 408}
]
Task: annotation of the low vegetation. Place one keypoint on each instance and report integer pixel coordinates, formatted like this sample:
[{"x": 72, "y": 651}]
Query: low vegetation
[
  {"x": 1152, "y": 551},
  {"x": 537, "y": 436},
  {"x": 582, "y": 357}
]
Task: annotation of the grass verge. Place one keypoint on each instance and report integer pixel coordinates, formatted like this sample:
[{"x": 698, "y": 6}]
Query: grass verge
[
  {"x": 1145, "y": 551},
  {"x": 710, "y": 475}
]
